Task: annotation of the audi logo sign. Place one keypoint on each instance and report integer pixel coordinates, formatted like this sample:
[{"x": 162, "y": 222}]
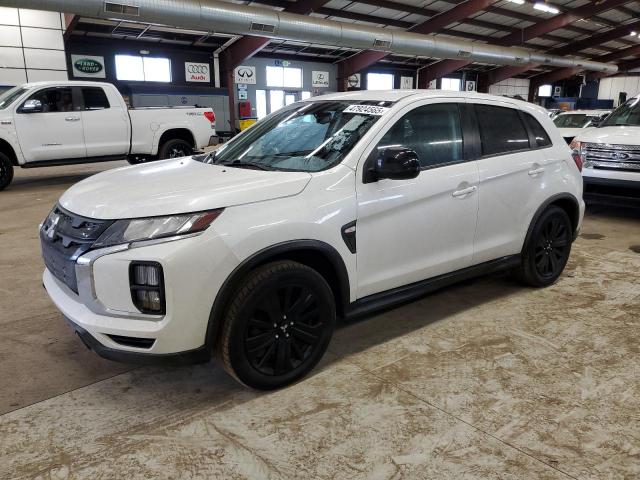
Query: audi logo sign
[{"x": 197, "y": 72}]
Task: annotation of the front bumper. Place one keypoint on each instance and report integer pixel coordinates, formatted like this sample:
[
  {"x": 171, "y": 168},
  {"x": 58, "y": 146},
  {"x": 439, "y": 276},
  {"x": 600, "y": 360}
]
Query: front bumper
[
  {"x": 103, "y": 315},
  {"x": 601, "y": 190}
]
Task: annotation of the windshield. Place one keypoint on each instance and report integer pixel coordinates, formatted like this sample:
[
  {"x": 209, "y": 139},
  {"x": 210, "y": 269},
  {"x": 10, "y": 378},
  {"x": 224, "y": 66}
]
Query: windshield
[
  {"x": 8, "y": 97},
  {"x": 627, "y": 114},
  {"x": 305, "y": 137},
  {"x": 574, "y": 120}
]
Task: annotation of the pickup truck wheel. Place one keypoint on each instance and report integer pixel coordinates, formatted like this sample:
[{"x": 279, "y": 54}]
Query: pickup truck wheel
[
  {"x": 6, "y": 171},
  {"x": 175, "y": 148},
  {"x": 278, "y": 325},
  {"x": 547, "y": 250}
]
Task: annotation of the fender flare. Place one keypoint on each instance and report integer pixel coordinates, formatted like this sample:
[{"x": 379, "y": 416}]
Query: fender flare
[
  {"x": 230, "y": 284},
  {"x": 544, "y": 206}
]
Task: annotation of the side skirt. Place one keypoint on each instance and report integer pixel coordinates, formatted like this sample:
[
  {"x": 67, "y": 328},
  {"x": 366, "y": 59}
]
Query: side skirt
[
  {"x": 72, "y": 161},
  {"x": 395, "y": 296}
]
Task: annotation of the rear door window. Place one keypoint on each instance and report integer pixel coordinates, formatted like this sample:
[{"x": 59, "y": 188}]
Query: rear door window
[
  {"x": 94, "y": 98},
  {"x": 501, "y": 130}
]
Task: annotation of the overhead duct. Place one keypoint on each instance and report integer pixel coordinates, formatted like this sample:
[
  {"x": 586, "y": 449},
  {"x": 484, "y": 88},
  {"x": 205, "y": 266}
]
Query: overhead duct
[{"x": 211, "y": 15}]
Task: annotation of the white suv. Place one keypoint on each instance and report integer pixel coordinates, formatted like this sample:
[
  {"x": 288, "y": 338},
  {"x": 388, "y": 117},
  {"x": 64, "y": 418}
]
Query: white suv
[{"x": 335, "y": 206}]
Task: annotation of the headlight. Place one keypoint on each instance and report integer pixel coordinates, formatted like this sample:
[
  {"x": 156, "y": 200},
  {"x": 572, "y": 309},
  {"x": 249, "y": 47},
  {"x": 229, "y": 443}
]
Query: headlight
[
  {"x": 140, "y": 229},
  {"x": 575, "y": 145}
]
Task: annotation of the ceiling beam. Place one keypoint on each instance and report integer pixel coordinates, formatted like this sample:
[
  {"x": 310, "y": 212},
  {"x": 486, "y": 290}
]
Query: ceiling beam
[
  {"x": 608, "y": 36},
  {"x": 248, "y": 46},
  {"x": 362, "y": 60},
  {"x": 559, "y": 21}
]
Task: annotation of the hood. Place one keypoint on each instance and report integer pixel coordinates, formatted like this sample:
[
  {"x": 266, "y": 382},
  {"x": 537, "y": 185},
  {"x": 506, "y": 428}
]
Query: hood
[
  {"x": 176, "y": 186},
  {"x": 611, "y": 135},
  {"x": 571, "y": 132}
]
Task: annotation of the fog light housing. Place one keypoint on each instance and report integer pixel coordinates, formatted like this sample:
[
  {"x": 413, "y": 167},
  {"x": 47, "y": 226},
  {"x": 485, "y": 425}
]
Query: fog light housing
[{"x": 146, "y": 280}]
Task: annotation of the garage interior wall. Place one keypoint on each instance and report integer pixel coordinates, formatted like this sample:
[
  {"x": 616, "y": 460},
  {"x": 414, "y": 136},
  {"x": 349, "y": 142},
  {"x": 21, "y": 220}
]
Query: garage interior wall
[
  {"x": 511, "y": 87},
  {"x": 31, "y": 46},
  {"x": 261, "y": 64},
  {"x": 610, "y": 88}
]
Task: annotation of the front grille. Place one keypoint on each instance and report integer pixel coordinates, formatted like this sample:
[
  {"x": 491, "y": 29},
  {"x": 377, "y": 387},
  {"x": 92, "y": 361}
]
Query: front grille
[
  {"x": 603, "y": 156},
  {"x": 64, "y": 237}
]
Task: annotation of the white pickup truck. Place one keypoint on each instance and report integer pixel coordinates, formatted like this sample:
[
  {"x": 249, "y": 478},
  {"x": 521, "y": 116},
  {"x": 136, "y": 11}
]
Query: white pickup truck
[
  {"x": 59, "y": 123},
  {"x": 611, "y": 157}
]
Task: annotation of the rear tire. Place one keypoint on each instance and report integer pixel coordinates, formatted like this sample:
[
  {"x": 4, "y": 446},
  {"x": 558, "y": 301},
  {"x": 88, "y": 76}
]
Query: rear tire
[
  {"x": 6, "y": 171},
  {"x": 547, "y": 251},
  {"x": 175, "y": 148},
  {"x": 278, "y": 325}
]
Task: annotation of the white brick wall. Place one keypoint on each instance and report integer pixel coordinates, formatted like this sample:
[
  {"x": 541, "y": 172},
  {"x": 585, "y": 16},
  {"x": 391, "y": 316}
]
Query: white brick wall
[
  {"x": 511, "y": 87},
  {"x": 31, "y": 46},
  {"x": 610, "y": 88}
]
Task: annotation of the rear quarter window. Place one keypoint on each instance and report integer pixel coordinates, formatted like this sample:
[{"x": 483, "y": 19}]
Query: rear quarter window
[{"x": 539, "y": 133}]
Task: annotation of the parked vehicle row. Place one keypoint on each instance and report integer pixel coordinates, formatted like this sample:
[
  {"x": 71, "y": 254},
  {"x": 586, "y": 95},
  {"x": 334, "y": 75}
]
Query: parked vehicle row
[
  {"x": 611, "y": 157},
  {"x": 334, "y": 206},
  {"x": 59, "y": 123},
  {"x": 572, "y": 122}
]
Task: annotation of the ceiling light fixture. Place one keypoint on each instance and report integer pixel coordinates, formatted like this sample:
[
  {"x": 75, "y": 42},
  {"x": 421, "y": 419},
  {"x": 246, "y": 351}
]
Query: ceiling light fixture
[
  {"x": 545, "y": 7},
  {"x": 633, "y": 34},
  {"x": 519, "y": 2}
]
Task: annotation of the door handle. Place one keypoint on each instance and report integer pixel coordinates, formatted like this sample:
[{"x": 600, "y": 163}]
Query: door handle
[
  {"x": 72, "y": 119},
  {"x": 464, "y": 192},
  {"x": 536, "y": 171}
]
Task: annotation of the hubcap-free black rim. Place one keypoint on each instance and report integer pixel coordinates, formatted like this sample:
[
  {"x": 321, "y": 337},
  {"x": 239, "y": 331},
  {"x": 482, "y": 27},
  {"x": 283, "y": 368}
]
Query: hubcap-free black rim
[
  {"x": 551, "y": 247},
  {"x": 283, "y": 330},
  {"x": 177, "y": 152}
]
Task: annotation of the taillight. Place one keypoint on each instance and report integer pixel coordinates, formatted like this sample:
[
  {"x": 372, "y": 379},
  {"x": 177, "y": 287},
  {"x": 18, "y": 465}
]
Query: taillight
[
  {"x": 210, "y": 116},
  {"x": 576, "y": 153},
  {"x": 577, "y": 157}
]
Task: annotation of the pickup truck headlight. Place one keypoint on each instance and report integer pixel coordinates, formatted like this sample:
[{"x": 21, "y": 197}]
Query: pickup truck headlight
[{"x": 141, "y": 229}]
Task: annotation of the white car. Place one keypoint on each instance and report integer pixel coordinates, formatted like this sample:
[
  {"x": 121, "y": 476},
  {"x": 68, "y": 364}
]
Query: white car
[
  {"x": 60, "y": 123},
  {"x": 572, "y": 123},
  {"x": 611, "y": 157},
  {"x": 334, "y": 206}
]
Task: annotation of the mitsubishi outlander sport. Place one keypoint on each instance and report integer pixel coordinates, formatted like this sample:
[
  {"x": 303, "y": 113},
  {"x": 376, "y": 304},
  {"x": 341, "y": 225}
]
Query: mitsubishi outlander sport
[{"x": 332, "y": 207}]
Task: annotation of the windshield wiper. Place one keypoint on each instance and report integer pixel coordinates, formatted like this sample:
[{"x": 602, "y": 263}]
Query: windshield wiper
[{"x": 241, "y": 164}]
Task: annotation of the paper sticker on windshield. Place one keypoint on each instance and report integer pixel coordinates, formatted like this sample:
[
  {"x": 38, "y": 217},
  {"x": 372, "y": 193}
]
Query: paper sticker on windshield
[{"x": 366, "y": 109}]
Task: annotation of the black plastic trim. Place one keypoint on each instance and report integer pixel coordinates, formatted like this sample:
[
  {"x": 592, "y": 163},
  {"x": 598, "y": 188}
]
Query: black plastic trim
[
  {"x": 73, "y": 161},
  {"x": 231, "y": 283},
  {"x": 379, "y": 301},
  {"x": 199, "y": 355},
  {"x": 628, "y": 197},
  {"x": 544, "y": 206},
  {"x": 349, "y": 237}
]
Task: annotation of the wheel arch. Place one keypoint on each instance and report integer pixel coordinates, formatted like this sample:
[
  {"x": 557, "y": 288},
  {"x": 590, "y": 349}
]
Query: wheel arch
[
  {"x": 177, "y": 132},
  {"x": 8, "y": 150},
  {"x": 315, "y": 254},
  {"x": 567, "y": 202}
]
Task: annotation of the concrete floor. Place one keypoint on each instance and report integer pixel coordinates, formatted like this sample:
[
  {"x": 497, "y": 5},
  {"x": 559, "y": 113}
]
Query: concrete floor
[{"x": 483, "y": 380}]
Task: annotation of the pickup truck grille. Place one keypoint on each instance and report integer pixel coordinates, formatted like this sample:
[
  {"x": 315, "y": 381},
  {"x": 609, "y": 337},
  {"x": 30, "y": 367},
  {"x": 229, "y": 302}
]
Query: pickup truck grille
[
  {"x": 64, "y": 237},
  {"x": 612, "y": 157}
]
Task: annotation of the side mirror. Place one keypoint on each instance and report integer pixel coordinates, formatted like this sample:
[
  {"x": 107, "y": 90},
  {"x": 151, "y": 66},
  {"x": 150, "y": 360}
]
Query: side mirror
[
  {"x": 31, "y": 106},
  {"x": 595, "y": 122},
  {"x": 394, "y": 163}
]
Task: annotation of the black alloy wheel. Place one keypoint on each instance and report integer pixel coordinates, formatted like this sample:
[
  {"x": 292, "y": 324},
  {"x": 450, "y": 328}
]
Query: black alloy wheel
[
  {"x": 551, "y": 247},
  {"x": 175, "y": 148},
  {"x": 547, "y": 249},
  {"x": 6, "y": 171},
  {"x": 278, "y": 325},
  {"x": 284, "y": 329}
]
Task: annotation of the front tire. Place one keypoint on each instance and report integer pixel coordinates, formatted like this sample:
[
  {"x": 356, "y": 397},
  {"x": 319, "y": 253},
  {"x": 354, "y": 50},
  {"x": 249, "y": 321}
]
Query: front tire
[
  {"x": 547, "y": 251},
  {"x": 278, "y": 325},
  {"x": 6, "y": 171},
  {"x": 175, "y": 148}
]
